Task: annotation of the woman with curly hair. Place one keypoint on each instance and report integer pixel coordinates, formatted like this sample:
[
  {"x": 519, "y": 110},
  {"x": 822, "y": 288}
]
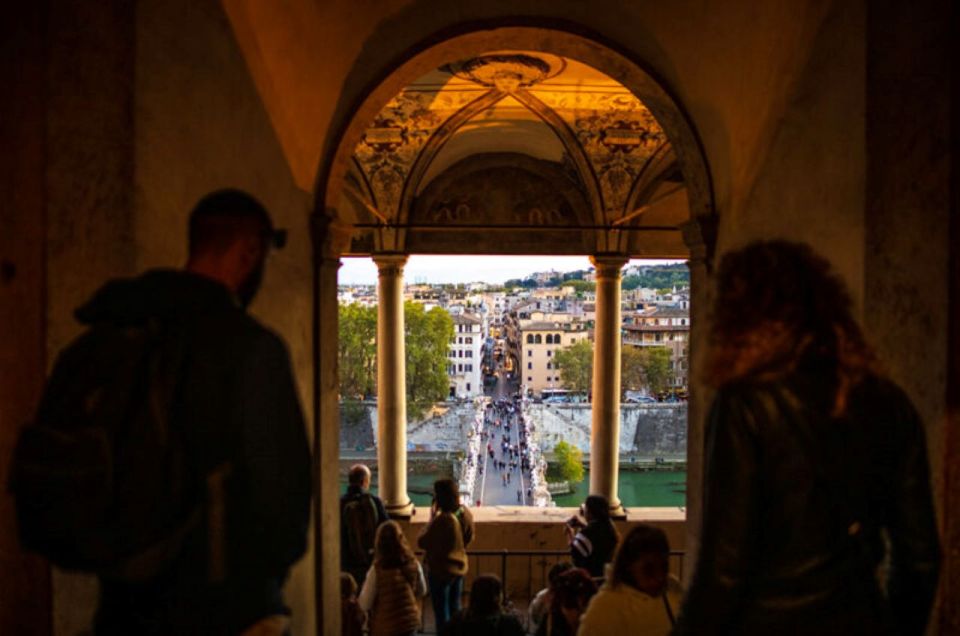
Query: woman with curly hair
[
  {"x": 816, "y": 465},
  {"x": 393, "y": 586}
]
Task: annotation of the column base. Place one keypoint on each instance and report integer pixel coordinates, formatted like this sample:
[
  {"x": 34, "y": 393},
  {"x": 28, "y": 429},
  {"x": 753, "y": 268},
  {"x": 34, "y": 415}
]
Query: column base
[
  {"x": 618, "y": 512},
  {"x": 402, "y": 511}
]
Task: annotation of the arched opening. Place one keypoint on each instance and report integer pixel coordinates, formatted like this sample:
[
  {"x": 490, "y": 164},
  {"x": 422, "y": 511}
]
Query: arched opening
[{"x": 510, "y": 141}]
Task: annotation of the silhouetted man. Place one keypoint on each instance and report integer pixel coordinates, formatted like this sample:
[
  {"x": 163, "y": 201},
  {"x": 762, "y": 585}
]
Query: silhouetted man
[
  {"x": 361, "y": 513},
  {"x": 238, "y": 411}
]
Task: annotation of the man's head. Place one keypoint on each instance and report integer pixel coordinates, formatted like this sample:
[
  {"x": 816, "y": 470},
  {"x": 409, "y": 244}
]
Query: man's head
[
  {"x": 359, "y": 476},
  {"x": 230, "y": 235},
  {"x": 446, "y": 494}
]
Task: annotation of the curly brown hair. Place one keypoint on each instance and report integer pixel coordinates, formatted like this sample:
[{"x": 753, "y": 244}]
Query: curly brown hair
[{"x": 778, "y": 303}]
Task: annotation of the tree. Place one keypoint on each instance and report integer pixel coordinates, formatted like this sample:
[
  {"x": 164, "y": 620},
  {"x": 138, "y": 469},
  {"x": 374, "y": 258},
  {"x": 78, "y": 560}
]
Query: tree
[
  {"x": 580, "y": 285},
  {"x": 427, "y": 340},
  {"x": 632, "y": 360},
  {"x": 630, "y": 282},
  {"x": 648, "y": 367},
  {"x": 427, "y": 337},
  {"x": 357, "y": 349},
  {"x": 576, "y": 366},
  {"x": 657, "y": 369},
  {"x": 568, "y": 463}
]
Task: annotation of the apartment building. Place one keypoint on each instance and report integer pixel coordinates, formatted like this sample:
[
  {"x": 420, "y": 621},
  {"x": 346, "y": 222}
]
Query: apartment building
[
  {"x": 539, "y": 341},
  {"x": 662, "y": 326},
  {"x": 465, "y": 361}
]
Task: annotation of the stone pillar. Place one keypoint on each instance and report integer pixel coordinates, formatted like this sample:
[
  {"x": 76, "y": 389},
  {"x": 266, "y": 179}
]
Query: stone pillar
[
  {"x": 329, "y": 240},
  {"x": 605, "y": 427},
  {"x": 700, "y": 237},
  {"x": 392, "y": 387}
]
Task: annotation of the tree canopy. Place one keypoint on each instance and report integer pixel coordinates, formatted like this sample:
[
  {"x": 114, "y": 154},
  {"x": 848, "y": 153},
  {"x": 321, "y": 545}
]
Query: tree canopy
[
  {"x": 648, "y": 367},
  {"x": 428, "y": 335},
  {"x": 580, "y": 285},
  {"x": 576, "y": 366},
  {"x": 358, "y": 351},
  {"x": 568, "y": 463},
  {"x": 659, "y": 277},
  {"x": 427, "y": 340}
]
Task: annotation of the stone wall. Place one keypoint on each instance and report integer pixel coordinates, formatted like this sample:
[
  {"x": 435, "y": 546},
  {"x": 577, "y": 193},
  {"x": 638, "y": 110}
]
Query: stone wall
[{"x": 655, "y": 430}]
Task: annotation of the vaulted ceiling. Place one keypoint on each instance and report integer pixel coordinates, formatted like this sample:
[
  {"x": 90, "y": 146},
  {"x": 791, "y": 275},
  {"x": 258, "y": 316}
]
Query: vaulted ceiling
[{"x": 568, "y": 157}]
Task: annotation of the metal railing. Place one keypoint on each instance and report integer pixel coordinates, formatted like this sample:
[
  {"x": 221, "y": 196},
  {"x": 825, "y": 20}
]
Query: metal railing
[{"x": 536, "y": 563}]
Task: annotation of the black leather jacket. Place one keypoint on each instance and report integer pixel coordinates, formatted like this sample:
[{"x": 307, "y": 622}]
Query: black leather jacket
[{"x": 800, "y": 508}]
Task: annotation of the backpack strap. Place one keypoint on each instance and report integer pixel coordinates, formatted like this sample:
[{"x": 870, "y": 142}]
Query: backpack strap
[{"x": 666, "y": 606}]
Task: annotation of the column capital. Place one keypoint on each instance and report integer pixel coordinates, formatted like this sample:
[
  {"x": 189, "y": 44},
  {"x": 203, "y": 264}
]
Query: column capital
[
  {"x": 608, "y": 266},
  {"x": 390, "y": 263}
]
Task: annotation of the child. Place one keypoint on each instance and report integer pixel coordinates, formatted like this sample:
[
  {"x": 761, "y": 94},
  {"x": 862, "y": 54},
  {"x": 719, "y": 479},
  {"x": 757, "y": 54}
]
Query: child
[
  {"x": 351, "y": 616},
  {"x": 394, "y": 585}
]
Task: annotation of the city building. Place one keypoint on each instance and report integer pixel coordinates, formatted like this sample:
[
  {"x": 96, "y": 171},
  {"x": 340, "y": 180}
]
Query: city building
[
  {"x": 465, "y": 364},
  {"x": 662, "y": 326},
  {"x": 539, "y": 341}
]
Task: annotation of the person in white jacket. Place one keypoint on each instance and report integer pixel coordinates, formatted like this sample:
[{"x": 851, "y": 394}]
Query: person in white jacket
[{"x": 640, "y": 596}]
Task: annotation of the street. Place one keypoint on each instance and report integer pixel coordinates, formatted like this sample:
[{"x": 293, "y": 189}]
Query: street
[{"x": 507, "y": 485}]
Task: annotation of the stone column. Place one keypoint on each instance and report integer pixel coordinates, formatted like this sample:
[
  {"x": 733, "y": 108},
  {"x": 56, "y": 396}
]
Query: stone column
[
  {"x": 391, "y": 387},
  {"x": 330, "y": 239},
  {"x": 605, "y": 428},
  {"x": 699, "y": 235}
]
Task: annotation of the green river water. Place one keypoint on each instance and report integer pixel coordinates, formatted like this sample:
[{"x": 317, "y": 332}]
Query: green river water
[{"x": 664, "y": 489}]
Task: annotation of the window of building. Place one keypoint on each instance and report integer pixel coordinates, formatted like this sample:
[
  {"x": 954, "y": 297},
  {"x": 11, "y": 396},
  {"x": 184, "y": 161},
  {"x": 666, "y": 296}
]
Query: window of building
[
  {"x": 529, "y": 353},
  {"x": 537, "y": 339},
  {"x": 549, "y": 352},
  {"x": 469, "y": 340},
  {"x": 468, "y": 367},
  {"x": 529, "y": 379},
  {"x": 529, "y": 338},
  {"x": 460, "y": 368},
  {"x": 556, "y": 338},
  {"x": 530, "y": 365},
  {"x": 468, "y": 386},
  {"x": 549, "y": 366},
  {"x": 460, "y": 353},
  {"x": 468, "y": 353}
]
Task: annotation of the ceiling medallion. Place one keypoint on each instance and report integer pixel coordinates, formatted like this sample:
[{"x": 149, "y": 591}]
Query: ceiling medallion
[{"x": 508, "y": 71}]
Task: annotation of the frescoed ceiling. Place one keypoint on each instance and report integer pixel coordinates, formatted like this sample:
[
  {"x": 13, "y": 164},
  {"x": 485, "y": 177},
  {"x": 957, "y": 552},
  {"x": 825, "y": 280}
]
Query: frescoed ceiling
[{"x": 518, "y": 104}]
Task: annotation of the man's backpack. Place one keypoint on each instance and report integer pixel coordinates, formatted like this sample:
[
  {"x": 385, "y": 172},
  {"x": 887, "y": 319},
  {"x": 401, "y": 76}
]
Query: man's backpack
[
  {"x": 360, "y": 519},
  {"x": 100, "y": 477}
]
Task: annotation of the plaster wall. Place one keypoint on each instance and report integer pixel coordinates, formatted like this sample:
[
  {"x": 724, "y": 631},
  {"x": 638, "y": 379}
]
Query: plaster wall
[
  {"x": 89, "y": 194},
  {"x": 200, "y": 126},
  {"x": 24, "y": 594},
  {"x": 810, "y": 179},
  {"x": 152, "y": 107}
]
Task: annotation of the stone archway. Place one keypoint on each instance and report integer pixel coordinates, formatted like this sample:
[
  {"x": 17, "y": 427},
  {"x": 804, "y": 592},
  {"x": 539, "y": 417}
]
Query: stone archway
[{"x": 343, "y": 185}]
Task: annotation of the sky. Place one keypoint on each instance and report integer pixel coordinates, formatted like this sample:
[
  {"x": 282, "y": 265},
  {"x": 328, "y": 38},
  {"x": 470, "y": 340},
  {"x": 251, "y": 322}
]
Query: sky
[{"x": 468, "y": 269}]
